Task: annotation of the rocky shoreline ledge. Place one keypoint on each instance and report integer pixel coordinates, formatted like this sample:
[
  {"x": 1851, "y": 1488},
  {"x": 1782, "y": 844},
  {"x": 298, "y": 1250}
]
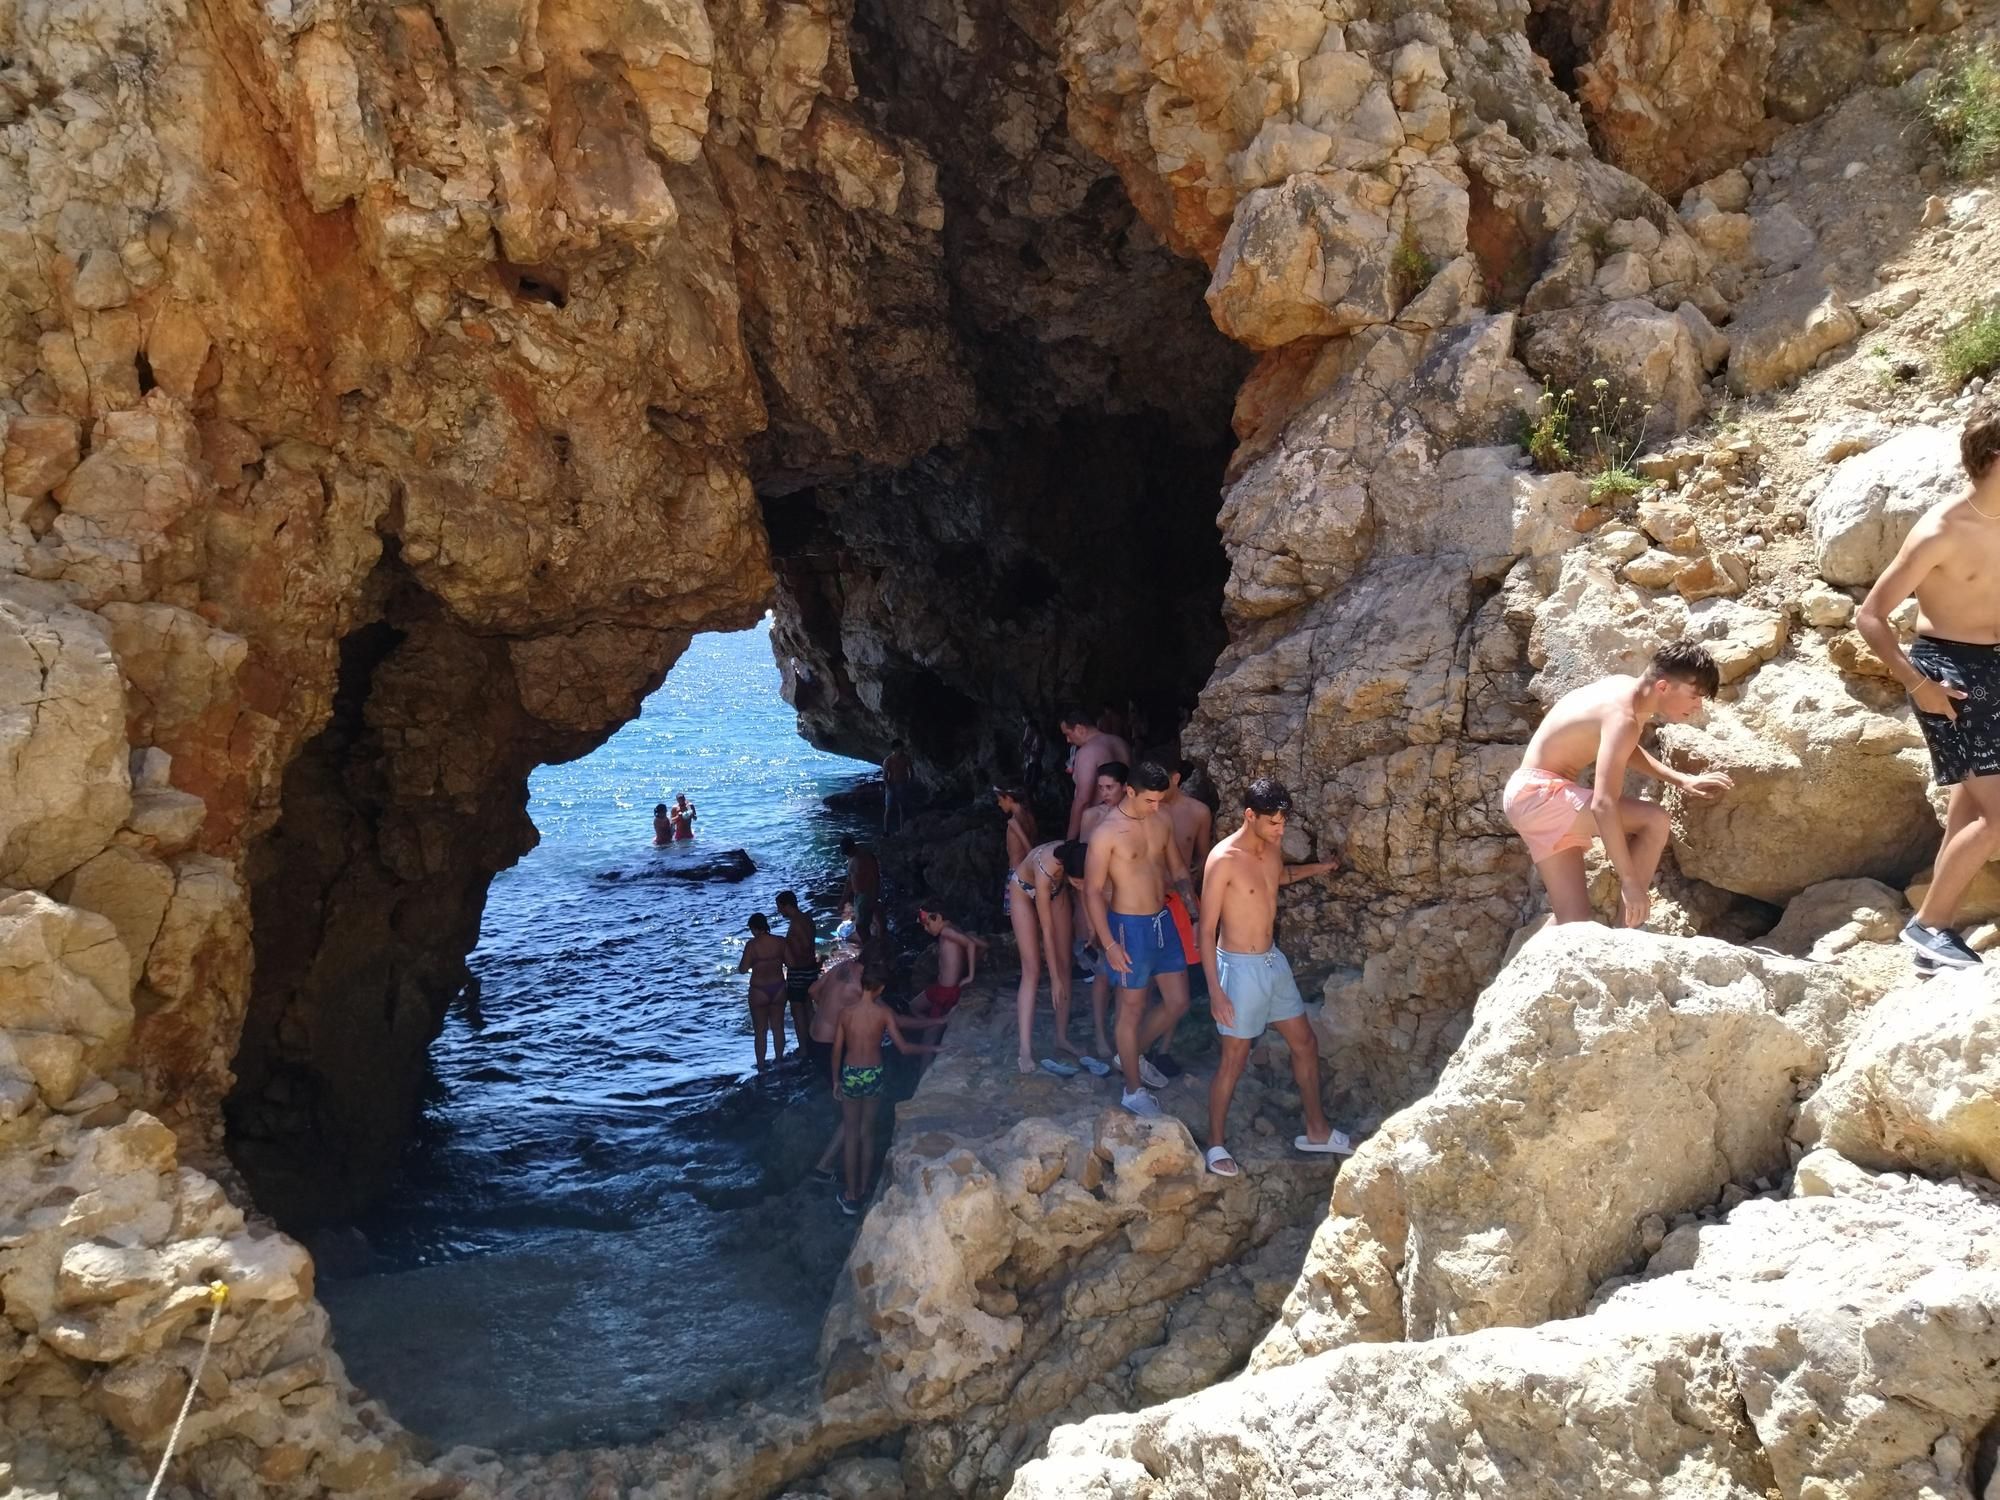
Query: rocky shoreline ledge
[{"x": 1033, "y": 1256}]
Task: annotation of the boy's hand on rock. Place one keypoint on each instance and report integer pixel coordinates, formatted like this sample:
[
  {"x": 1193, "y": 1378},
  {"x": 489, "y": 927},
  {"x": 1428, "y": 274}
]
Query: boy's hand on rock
[{"x": 1708, "y": 784}]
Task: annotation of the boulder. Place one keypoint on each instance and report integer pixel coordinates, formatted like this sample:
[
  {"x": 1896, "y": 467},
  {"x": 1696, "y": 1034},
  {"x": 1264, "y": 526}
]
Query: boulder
[
  {"x": 129, "y": 887},
  {"x": 1828, "y": 785},
  {"x": 1828, "y": 1345},
  {"x": 1650, "y": 355},
  {"x": 1778, "y": 336},
  {"x": 1307, "y": 257},
  {"x": 1827, "y": 919},
  {"x": 1873, "y": 499},
  {"x": 1918, "y": 1088},
  {"x": 1593, "y": 624},
  {"x": 1608, "y": 1076},
  {"x": 64, "y": 971},
  {"x": 65, "y": 777}
]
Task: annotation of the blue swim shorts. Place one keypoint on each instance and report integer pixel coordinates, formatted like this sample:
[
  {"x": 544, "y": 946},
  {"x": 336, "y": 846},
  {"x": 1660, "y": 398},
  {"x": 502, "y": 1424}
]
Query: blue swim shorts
[
  {"x": 1261, "y": 988},
  {"x": 1152, "y": 943}
]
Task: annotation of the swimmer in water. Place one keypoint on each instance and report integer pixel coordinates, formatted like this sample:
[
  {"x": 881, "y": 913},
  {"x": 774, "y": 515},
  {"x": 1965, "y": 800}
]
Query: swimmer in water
[
  {"x": 764, "y": 961},
  {"x": 683, "y": 816},
  {"x": 663, "y": 827}
]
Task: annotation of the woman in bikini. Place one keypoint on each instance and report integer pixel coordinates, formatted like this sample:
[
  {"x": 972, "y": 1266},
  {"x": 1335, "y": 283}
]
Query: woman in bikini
[
  {"x": 1035, "y": 904},
  {"x": 1021, "y": 831},
  {"x": 764, "y": 961}
]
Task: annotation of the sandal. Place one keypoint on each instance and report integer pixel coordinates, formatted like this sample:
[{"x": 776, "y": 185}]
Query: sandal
[
  {"x": 1221, "y": 1163},
  {"x": 1060, "y": 1069}
]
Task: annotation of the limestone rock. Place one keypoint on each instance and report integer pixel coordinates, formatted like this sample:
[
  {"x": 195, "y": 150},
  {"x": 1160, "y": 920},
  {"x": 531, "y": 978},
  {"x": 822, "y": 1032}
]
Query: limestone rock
[
  {"x": 1822, "y": 1345},
  {"x": 65, "y": 782},
  {"x": 1308, "y": 257},
  {"x": 66, "y": 972},
  {"x": 1827, "y": 608},
  {"x": 127, "y": 886},
  {"x": 1825, "y": 920},
  {"x": 1676, "y": 95},
  {"x": 1873, "y": 499},
  {"x": 1650, "y": 356},
  {"x": 1777, "y": 337},
  {"x": 1594, "y": 1074},
  {"x": 1918, "y": 1089},
  {"x": 1827, "y": 786},
  {"x": 36, "y": 454}
]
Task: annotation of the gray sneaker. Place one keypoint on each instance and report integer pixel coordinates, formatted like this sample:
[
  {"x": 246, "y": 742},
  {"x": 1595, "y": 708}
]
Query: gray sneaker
[
  {"x": 1142, "y": 1104},
  {"x": 1940, "y": 944}
]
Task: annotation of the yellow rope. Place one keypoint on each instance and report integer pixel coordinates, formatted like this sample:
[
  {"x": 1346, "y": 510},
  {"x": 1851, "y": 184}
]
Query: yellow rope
[{"x": 218, "y": 1293}]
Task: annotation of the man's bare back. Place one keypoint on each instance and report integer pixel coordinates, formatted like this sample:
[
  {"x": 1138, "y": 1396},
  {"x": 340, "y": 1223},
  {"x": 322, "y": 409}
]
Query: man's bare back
[
  {"x": 1567, "y": 740},
  {"x": 832, "y": 993},
  {"x": 1192, "y": 824},
  {"x": 800, "y": 952}
]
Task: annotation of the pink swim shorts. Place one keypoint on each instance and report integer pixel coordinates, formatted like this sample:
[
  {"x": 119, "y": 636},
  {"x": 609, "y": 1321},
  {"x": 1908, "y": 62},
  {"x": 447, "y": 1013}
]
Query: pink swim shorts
[{"x": 1543, "y": 806}]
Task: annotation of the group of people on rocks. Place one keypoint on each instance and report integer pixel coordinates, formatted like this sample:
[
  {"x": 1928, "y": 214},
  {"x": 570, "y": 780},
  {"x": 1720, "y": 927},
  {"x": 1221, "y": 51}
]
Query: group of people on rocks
[
  {"x": 1138, "y": 894},
  {"x": 1140, "y": 877}
]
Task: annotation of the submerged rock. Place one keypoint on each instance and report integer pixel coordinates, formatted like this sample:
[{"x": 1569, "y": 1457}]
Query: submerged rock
[{"x": 730, "y": 865}]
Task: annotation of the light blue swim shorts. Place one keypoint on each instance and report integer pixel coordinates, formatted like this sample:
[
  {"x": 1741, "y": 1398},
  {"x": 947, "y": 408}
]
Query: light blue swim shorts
[{"x": 1260, "y": 986}]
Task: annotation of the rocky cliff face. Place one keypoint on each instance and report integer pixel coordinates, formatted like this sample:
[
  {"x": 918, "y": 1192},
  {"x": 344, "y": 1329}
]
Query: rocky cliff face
[{"x": 389, "y": 393}]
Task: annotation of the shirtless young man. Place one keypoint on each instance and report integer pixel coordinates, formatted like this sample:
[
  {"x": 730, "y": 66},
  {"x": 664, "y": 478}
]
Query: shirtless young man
[
  {"x": 1557, "y": 817},
  {"x": 1250, "y": 985},
  {"x": 1112, "y": 778},
  {"x": 864, "y": 885},
  {"x": 896, "y": 773},
  {"x": 1951, "y": 562},
  {"x": 1093, "y": 748},
  {"x": 1194, "y": 824},
  {"x": 1132, "y": 858},
  {"x": 857, "y": 1079},
  {"x": 683, "y": 815},
  {"x": 663, "y": 826},
  {"x": 957, "y": 963},
  {"x": 835, "y": 990},
  {"x": 801, "y": 959},
  {"x": 764, "y": 961}
]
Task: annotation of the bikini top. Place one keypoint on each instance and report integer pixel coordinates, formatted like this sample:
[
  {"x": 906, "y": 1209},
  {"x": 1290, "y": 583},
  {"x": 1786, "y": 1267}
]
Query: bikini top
[{"x": 1041, "y": 868}]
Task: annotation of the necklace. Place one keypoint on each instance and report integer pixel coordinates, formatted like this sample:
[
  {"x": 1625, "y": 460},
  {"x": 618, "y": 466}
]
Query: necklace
[{"x": 1977, "y": 511}]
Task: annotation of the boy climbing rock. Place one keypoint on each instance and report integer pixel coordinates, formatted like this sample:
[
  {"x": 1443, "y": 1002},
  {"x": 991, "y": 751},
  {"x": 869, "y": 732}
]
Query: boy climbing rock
[
  {"x": 1558, "y": 817},
  {"x": 1950, "y": 562}
]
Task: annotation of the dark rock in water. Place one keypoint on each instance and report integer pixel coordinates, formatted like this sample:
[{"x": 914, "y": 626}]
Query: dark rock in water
[
  {"x": 862, "y": 797},
  {"x": 731, "y": 865}
]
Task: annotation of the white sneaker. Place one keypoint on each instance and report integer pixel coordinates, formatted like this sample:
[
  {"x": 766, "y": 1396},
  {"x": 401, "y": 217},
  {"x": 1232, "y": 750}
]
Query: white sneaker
[
  {"x": 1149, "y": 1075},
  {"x": 1142, "y": 1104}
]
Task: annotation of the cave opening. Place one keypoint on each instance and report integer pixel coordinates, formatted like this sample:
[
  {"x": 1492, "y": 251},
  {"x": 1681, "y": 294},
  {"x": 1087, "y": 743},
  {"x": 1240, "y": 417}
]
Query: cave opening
[{"x": 586, "y": 1110}]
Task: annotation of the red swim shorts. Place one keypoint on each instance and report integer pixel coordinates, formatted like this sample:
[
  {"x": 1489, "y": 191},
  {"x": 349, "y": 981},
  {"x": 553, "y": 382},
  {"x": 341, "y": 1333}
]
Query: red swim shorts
[{"x": 943, "y": 998}]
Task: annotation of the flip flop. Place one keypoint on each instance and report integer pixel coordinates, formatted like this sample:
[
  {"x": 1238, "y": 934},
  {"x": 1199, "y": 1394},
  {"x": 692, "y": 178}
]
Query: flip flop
[
  {"x": 1060, "y": 1069},
  {"x": 1336, "y": 1144},
  {"x": 1094, "y": 1066},
  {"x": 1221, "y": 1163}
]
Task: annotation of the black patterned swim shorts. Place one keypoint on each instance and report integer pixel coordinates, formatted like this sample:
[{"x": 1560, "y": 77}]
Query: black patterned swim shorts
[{"x": 1969, "y": 745}]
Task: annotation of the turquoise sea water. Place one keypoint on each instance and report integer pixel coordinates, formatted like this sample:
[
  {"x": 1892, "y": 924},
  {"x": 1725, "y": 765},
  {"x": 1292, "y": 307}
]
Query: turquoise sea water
[{"x": 599, "y": 1165}]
